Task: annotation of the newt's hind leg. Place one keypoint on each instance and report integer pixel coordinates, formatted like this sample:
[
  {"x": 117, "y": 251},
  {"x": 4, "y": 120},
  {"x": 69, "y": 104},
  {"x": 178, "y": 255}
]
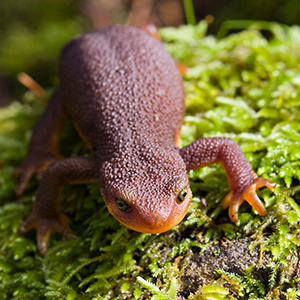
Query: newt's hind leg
[
  {"x": 242, "y": 179},
  {"x": 43, "y": 147}
]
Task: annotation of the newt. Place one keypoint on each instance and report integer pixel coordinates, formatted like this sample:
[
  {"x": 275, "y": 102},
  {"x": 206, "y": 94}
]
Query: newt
[{"x": 125, "y": 96}]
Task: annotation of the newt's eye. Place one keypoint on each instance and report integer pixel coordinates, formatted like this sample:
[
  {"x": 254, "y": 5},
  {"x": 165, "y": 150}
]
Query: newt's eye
[
  {"x": 122, "y": 205},
  {"x": 183, "y": 195}
]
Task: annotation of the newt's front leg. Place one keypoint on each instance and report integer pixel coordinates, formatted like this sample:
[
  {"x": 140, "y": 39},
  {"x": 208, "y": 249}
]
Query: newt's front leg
[
  {"x": 242, "y": 179},
  {"x": 46, "y": 216}
]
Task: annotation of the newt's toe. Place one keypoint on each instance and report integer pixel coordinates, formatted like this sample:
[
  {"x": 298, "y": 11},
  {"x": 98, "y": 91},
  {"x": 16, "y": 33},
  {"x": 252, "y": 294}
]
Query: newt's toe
[
  {"x": 26, "y": 175},
  {"x": 233, "y": 200}
]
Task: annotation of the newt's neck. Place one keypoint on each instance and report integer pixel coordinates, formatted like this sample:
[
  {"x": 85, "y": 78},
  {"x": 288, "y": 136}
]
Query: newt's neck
[{"x": 133, "y": 144}]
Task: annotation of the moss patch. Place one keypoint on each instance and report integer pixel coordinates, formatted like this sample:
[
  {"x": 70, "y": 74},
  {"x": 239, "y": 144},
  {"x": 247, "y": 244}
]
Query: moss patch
[{"x": 242, "y": 86}]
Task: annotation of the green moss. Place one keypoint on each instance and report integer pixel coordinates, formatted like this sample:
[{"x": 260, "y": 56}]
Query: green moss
[{"x": 241, "y": 86}]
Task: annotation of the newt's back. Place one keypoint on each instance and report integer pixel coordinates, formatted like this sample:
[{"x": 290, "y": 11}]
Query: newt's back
[{"x": 119, "y": 85}]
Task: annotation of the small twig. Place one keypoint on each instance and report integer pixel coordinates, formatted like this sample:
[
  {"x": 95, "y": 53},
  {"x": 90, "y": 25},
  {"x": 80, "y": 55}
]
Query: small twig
[{"x": 31, "y": 84}]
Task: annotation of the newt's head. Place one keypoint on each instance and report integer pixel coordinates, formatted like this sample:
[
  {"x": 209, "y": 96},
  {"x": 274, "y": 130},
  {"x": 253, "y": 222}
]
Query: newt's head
[{"x": 146, "y": 191}]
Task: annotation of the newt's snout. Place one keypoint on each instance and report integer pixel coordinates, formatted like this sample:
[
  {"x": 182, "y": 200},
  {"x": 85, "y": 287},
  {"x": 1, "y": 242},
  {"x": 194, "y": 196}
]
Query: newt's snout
[{"x": 148, "y": 215}]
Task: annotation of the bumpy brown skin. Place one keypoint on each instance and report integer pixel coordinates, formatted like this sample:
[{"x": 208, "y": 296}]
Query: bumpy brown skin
[{"x": 125, "y": 96}]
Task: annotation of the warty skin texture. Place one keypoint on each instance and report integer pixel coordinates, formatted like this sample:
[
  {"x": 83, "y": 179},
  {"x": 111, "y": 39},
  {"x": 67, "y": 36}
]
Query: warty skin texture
[{"x": 125, "y": 96}]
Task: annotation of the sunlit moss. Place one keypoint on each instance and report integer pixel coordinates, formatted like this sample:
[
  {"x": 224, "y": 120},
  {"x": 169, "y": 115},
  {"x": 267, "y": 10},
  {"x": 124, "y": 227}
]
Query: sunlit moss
[{"x": 242, "y": 86}]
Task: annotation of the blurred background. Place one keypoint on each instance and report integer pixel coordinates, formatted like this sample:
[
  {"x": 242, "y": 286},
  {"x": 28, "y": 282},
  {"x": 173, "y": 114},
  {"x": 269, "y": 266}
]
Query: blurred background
[{"x": 32, "y": 32}]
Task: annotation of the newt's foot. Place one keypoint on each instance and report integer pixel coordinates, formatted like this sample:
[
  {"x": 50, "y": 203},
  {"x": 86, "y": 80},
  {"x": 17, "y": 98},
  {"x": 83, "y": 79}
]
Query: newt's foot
[
  {"x": 45, "y": 226},
  {"x": 235, "y": 198},
  {"x": 31, "y": 165}
]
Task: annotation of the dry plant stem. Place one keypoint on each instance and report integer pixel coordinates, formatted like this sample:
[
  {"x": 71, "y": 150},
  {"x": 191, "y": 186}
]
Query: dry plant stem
[{"x": 31, "y": 84}]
